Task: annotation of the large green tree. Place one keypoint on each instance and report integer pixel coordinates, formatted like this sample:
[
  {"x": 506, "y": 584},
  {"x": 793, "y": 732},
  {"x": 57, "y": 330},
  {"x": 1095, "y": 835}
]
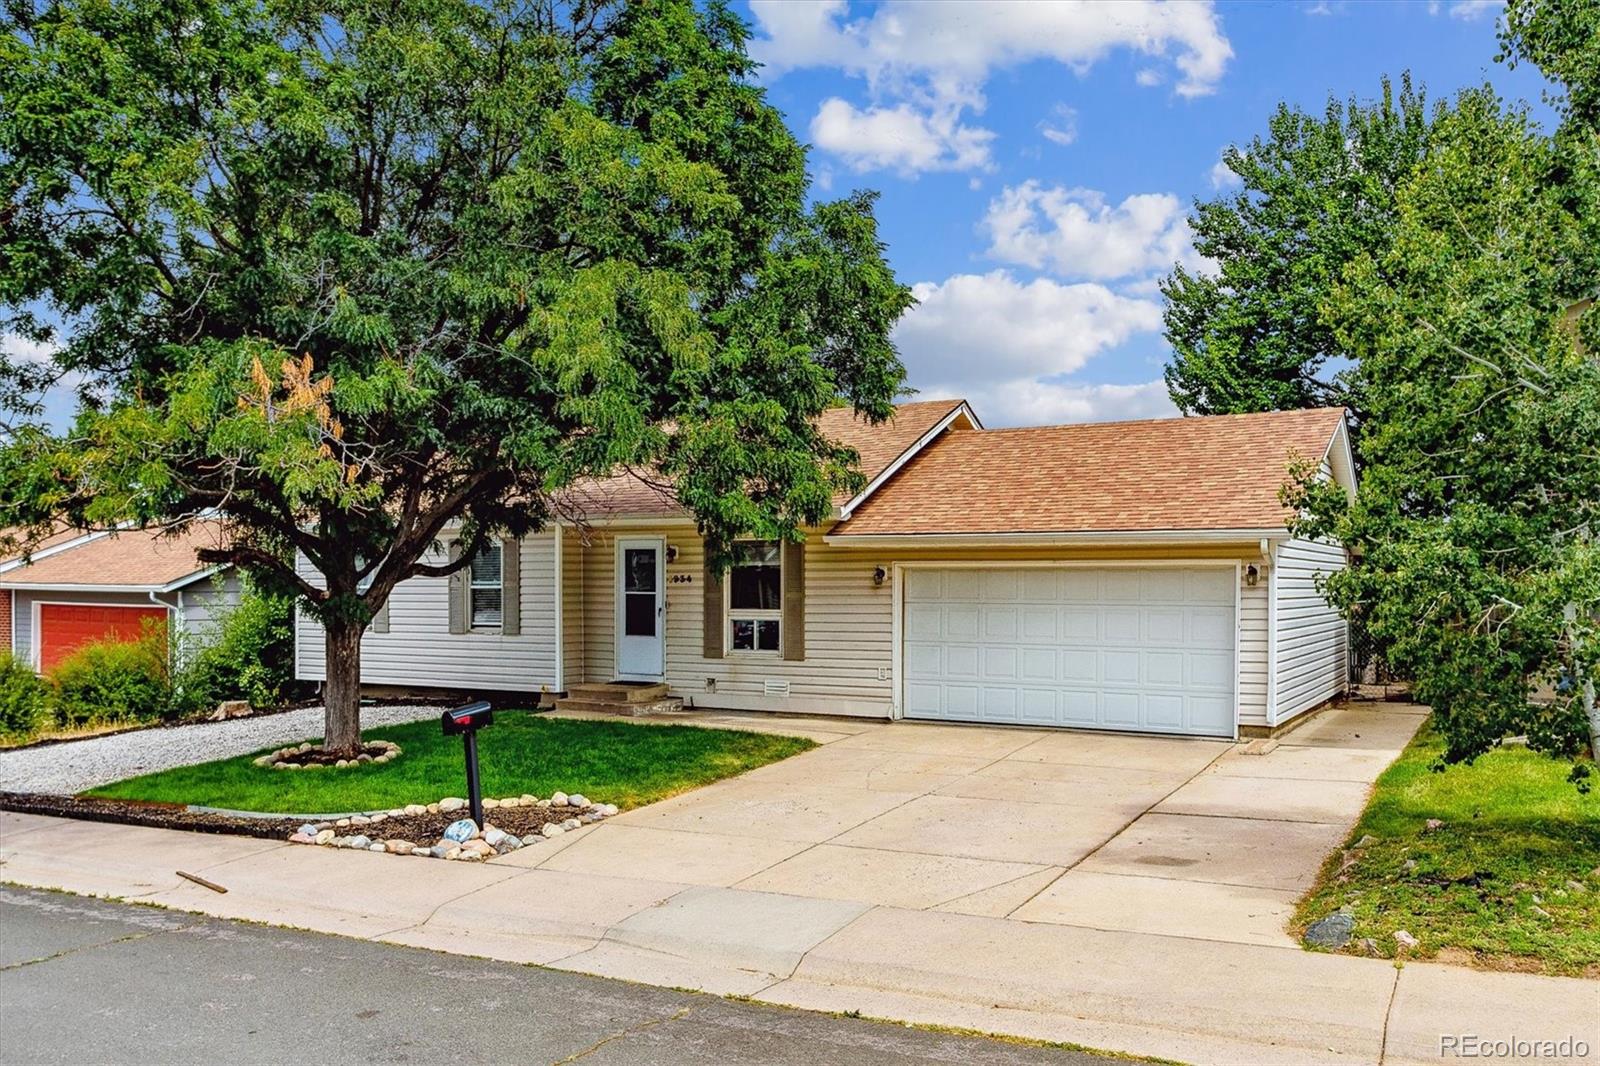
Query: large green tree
[
  {"x": 1476, "y": 533},
  {"x": 1315, "y": 193},
  {"x": 349, "y": 273}
]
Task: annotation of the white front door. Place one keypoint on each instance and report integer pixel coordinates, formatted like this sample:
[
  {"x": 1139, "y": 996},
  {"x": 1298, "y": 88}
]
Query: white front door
[
  {"x": 641, "y": 608},
  {"x": 1133, "y": 648}
]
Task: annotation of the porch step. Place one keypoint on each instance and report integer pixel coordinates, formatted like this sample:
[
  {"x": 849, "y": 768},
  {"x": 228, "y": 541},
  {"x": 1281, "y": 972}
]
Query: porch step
[
  {"x": 619, "y": 692},
  {"x": 624, "y": 708}
]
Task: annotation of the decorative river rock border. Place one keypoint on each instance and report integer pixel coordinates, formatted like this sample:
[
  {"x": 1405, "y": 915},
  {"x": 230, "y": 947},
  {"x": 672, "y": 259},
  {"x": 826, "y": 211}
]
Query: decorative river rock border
[
  {"x": 386, "y": 751},
  {"x": 462, "y": 840}
]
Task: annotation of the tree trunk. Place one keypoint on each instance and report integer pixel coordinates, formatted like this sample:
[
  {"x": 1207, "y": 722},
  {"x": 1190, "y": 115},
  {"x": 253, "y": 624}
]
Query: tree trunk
[
  {"x": 1592, "y": 712},
  {"x": 342, "y": 690}
]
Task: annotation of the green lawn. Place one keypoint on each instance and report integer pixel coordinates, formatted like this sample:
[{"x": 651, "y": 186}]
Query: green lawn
[
  {"x": 609, "y": 762},
  {"x": 1516, "y": 838}
]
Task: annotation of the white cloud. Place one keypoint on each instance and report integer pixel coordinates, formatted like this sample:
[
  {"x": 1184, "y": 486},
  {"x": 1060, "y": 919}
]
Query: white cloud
[
  {"x": 1149, "y": 77},
  {"x": 1062, "y": 125},
  {"x": 1471, "y": 10},
  {"x": 1044, "y": 403},
  {"x": 899, "y": 138},
  {"x": 16, "y": 346},
  {"x": 1078, "y": 233},
  {"x": 927, "y": 63},
  {"x": 1321, "y": 7},
  {"x": 974, "y": 329},
  {"x": 1222, "y": 177}
]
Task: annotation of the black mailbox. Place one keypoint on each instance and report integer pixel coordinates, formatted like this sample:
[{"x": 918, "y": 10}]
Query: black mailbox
[
  {"x": 464, "y": 722},
  {"x": 467, "y": 719}
]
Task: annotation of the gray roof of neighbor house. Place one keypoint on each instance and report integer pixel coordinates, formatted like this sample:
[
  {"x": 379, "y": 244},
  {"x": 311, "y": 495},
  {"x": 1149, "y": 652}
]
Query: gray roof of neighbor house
[{"x": 126, "y": 559}]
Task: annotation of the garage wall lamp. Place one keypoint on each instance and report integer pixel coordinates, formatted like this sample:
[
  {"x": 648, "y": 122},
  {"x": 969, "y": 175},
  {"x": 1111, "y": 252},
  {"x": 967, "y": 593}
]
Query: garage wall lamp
[
  {"x": 879, "y": 576},
  {"x": 1252, "y": 574}
]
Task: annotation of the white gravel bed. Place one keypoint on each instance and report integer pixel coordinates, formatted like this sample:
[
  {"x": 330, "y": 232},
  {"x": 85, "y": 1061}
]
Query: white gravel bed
[{"x": 79, "y": 764}]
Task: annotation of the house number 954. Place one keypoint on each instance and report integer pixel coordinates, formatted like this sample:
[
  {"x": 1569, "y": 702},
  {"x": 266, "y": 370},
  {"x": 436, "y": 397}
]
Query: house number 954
[{"x": 680, "y": 579}]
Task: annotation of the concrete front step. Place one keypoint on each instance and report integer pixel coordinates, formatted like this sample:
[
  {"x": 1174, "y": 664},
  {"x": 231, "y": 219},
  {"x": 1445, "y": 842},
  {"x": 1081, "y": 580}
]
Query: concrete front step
[
  {"x": 619, "y": 692},
  {"x": 625, "y": 708}
]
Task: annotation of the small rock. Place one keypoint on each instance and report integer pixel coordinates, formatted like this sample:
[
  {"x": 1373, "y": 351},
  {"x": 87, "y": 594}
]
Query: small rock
[
  {"x": 511, "y": 801},
  {"x": 308, "y": 829},
  {"x": 360, "y": 841},
  {"x": 1577, "y": 886},
  {"x": 303, "y": 838},
  {"x": 414, "y": 808},
  {"x": 305, "y": 746},
  {"x": 422, "y": 852},
  {"x": 342, "y": 764},
  {"x": 363, "y": 758},
  {"x": 493, "y": 836},
  {"x": 1366, "y": 841},
  {"x": 577, "y": 799},
  {"x": 397, "y": 812},
  {"x": 558, "y": 799},
  {"x": 571, "y": 823},
  {"x": 376, "y": 818},
  {"x": 1367, "y": 946},
  {"x": 1432, "y": 823},
  {"x": 376, "y": 847},
  {"x": 445, "y": 851},
  {"x": 490, "y": 804},
  {"x": 508, "y": 843},
  {"x": 360, "y": 819},
  {"x": 324, "y": 836},
  {"x": 1331, "y": 932},
  {"x": 432, "y": 808},
  {"x": 464, "y": 855},
  {"x": 280, "y": 766},
  {"x": 1409, "y": 865},
  {"x": 314, "y": 766},
  {"x": 231, "y": 709},
  {"x": 551, "y": 829},
  {"x": 1537, "y": 898},
  {"x": 590, "y": 816},
  {"x": 451, "y": 803},
  {"x": 608, "y": 809},
  {"x": 1541, "y": 912},
  {"x": 1405, "y": 939},
  {"x": 291, "y": 766},
  {"x": 461, "y": 830},
  {"x": 398, "y": 847},
  {"x": 528, "y": 799},
  {"x": 342, "y": 822},
  {"x": 544, "y": 803}
]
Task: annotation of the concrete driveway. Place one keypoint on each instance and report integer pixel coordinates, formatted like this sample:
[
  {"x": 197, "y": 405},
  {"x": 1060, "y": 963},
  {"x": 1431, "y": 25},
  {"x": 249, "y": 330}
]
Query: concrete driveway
[{"x": 1194, "y": 838}]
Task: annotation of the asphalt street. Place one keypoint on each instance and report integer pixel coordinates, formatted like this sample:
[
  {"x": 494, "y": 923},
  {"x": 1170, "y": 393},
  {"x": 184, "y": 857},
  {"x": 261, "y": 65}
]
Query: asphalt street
[{"x": 89, "y": 981}]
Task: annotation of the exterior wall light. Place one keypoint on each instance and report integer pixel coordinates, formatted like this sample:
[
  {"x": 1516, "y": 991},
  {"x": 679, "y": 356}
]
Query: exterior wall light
[
  {"x": 1252, "y": 574},
  {"x": 879, "y": 576}
]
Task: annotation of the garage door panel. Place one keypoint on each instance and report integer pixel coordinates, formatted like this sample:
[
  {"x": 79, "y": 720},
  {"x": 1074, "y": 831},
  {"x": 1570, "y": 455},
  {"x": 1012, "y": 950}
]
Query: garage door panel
[
  {"x": 1136, "y": 648},
  {"x": 961, "y": 661},
  {"x": 66, "y": 627},
  {"x": 1121, "y": 625}
]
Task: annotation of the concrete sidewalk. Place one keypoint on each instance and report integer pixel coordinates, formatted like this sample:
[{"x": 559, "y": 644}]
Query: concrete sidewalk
[{"x": 1139, "y": 992}]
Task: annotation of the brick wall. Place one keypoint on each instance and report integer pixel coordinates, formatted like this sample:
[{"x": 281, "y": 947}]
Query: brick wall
[{"x": 5, "y": 619}]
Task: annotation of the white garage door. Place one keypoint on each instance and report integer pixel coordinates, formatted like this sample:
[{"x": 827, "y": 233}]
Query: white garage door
[{"x": 1147, "y": 649}]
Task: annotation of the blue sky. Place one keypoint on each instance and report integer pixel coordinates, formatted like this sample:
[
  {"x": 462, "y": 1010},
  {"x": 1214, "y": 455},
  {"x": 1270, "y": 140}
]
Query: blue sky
[{"x": 1037, "y": 160}]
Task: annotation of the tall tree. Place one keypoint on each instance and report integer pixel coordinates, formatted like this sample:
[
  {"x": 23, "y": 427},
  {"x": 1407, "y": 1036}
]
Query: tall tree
[
  {"x": 1475, "y": 536},
  {"x": 1315, "y": 193},
  {"x": 349, "y": 273}
]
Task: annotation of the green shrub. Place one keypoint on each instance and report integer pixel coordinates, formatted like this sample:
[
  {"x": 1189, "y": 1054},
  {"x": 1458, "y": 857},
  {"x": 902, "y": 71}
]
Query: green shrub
[
  {"x": 114, "y": 681},
  {"x": 248, "y": 656},
  {"x": 24, "y": 699}
]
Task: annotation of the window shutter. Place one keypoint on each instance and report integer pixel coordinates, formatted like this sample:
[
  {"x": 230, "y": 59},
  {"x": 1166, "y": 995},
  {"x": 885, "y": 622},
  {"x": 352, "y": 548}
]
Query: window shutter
[
  {"x": 714, "y": 628},
  {"x": 511, "y": 587},
  {"x": 380, "y": 621},
  {"x": 460, "y": 594},
  {"x": 794, "y": 600}
]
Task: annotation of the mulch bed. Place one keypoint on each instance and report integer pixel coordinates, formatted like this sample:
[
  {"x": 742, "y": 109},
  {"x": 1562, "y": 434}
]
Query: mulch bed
[{"x": 419, "y": 828}]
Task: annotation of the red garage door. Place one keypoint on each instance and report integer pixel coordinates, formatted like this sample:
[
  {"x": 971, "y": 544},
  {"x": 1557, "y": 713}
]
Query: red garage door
[{"x": 64, "y": 627}]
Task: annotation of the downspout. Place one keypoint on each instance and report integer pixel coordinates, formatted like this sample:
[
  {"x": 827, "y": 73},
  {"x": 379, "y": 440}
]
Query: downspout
[
  {"x": 175, "y": 647},
  {"x": 1268, "y": 556}
]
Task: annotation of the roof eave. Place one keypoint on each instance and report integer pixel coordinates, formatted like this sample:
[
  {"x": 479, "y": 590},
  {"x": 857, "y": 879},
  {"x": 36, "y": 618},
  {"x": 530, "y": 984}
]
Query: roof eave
[
  {"x": 960, "y": 409},
  {"x": 1110, "y": 538}
]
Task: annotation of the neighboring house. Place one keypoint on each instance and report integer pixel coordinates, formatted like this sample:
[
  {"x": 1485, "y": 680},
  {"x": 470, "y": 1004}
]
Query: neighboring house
[
  {"x": 80, "y": 587},
  {"x": 1128, "y": 576}
]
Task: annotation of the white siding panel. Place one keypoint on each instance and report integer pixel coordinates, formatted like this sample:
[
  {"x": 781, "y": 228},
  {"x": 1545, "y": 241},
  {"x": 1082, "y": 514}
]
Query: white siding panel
[
  {"x": 1313, "y": 639},
  {"x": 420, "y": 650},
  {"x": 1253, "y": 654}
]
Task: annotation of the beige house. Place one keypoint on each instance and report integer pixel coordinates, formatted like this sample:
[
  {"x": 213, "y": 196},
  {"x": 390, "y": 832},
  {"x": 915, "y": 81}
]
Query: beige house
[{"x": 1125, "y": 576}]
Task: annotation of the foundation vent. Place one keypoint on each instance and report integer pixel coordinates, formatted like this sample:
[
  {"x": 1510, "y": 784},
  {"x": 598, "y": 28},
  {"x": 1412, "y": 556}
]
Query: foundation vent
[{"x": 775, "y": 688}]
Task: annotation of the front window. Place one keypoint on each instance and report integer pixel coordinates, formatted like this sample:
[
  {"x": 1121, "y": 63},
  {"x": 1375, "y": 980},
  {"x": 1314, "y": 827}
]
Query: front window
[
  {"x": 755, "y": 596},
  {"x": 485, "y": 587}
]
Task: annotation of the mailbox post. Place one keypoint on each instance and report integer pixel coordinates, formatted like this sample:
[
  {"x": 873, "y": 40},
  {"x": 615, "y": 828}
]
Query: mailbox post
[{"x": 465, "y": 722}]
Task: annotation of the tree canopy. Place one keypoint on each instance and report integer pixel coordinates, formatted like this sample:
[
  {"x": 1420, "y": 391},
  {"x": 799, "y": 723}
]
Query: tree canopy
[
  {"x": 348, "y": 273},
  {"x": 1315, "y": 193}
]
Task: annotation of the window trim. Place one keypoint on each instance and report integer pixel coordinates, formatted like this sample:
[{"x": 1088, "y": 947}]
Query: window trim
[
  {"x": 473, "y": 585},
  {"x": 731, "y": 615}
]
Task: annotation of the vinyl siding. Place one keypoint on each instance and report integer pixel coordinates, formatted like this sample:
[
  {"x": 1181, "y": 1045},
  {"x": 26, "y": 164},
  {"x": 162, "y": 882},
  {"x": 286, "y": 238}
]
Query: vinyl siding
[
  {"x": 206, "y": 603},
  {"x": 573, "y": 649},
  {"x": 1313, "y": 639},
  {"x": 849, "y": 624},
  {"x": 419, "y": 649}
]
